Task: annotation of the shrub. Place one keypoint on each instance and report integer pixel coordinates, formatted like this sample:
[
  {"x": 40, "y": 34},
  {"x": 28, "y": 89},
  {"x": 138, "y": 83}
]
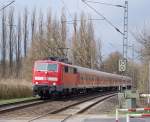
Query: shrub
[{"x": 12, "y": 88}]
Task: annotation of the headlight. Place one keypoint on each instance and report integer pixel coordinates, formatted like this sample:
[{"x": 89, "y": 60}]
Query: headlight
[
  {"x": 54, "y": 84},
  {"x": 36, "y": 82}
]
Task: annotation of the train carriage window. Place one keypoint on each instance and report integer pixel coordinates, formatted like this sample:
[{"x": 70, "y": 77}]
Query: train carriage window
[
  {"x": 86, "y": 78},
  {"x": 81, "y": 77},
  {"x": 70, "y": 70},
  {"x": 74, "y": 70},
  {"x": 92, "y": 78},
  {"x": 97, "y": 78},
  {"x": 66, "y": 69}
]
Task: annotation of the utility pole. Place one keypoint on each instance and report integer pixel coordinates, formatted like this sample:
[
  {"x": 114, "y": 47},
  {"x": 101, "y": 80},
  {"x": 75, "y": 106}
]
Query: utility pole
[
  {"x": 133, "y": 80},
  {"x": 125, "y": 38},
  {"x": 125, "y": 35},
  {"x": 149, "y": 77}
]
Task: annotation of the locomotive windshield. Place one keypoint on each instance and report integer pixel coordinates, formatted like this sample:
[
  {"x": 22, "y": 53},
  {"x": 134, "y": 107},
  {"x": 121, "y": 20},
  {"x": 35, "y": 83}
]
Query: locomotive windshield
[{"x": 46, "y": 67}]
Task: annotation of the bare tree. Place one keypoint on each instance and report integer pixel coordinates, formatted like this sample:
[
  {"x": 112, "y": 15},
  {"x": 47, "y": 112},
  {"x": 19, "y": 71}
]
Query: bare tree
[
  {"x": 49, "y": 39},
  {"x": 18, "y": 48},
  {"x": 41, "y": 27},
  {"x": 74, "y": 41},
  {"x": 3, "y": 43},
  {"x": 84, "y": 44},
  {"x": 79, "y": 42},
  {"x": 91, "y": 45},
  {"x": 33, "y": 24},
  {"x": 63, "y": 28},
  {"x": 99, "y": 58},
  {"x": 56, "y": 38},
  {"x": 111, "y": 63},
  {"x": 11, "y": 26},
  {"x": 25, "y": 31},
  {"x": 49, "y": 25},
  {"x": 143, "y": 38}
]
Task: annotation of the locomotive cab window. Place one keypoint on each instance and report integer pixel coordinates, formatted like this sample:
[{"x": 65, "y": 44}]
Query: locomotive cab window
[
  {"x": 46, "y": 67},
  {"x": 52, "y": 67}
]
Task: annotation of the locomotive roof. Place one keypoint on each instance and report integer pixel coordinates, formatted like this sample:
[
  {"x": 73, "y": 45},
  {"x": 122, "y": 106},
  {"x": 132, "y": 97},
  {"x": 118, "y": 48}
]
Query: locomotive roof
[{"x": 87, "y": 70}]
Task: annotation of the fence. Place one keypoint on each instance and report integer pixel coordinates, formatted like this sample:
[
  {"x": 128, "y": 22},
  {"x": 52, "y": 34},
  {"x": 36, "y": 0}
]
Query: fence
[{"x": 132, "y": 115}]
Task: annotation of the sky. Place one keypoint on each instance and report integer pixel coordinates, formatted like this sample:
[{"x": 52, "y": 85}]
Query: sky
[{"x": 111, "y": 39}]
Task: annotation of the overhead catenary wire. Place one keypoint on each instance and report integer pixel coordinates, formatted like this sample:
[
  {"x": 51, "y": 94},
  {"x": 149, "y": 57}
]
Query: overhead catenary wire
[
  {"x": 109, "y": 22},
  {"x": 108, "y": 4},
  {"x": 7, "y": 5},
  {"x": 72, "y": 21}
]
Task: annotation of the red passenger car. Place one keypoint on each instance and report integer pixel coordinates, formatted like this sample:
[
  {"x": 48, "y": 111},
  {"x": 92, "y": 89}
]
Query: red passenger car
[{"x": 55, "y": 77}]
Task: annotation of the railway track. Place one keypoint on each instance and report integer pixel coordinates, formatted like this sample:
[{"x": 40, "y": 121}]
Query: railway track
[
  {"x": 38, "y": 110},
  {"x": 19, "y": 105},
  {"x": 29, "y": 103},
  {"x": 72, "y": 110}
]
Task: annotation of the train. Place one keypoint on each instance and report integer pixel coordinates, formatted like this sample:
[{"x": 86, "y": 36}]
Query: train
[{"x": 54, "y": 77}]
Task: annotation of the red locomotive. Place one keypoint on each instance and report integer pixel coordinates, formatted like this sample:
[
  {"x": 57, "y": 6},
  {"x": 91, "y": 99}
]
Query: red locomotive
[{"x": 55, "y": 77}]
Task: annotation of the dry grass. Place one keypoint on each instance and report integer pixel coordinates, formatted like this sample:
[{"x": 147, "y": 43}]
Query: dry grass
[{"x": 12, "y": 88}]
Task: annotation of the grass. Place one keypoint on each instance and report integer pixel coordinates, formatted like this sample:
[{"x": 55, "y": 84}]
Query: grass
[
  {"x": 12, "y": 88},
  {"x": 2, "y": 102}
]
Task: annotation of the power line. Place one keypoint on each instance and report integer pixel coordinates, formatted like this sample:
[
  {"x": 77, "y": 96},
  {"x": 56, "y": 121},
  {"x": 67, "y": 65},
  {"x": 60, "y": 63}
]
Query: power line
[
  {"x": 7, "y": 5},
  {"x": 71, "y": 21},
  {"x": 109, "y": 22},
  {"x": 108, "y": 4}
]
